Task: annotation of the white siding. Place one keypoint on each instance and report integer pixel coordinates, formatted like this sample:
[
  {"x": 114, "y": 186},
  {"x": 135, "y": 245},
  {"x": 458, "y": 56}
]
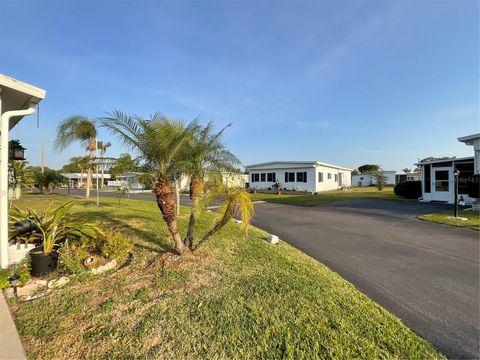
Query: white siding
[
  {"x": 334, "y": 182},
  {"x": 280, "y": 177},
  {"x": 369, "y": 179}
]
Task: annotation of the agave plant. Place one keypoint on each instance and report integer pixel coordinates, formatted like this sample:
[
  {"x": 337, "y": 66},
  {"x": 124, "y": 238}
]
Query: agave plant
[{"x": 55, "y": 225}]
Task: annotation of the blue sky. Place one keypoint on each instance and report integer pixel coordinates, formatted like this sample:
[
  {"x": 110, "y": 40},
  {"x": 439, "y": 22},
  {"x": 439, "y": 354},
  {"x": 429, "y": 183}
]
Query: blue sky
[{"x": 345, "y": 82}]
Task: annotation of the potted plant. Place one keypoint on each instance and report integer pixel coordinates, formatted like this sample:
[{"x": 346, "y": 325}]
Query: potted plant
[{"x": 52, "y": 227}]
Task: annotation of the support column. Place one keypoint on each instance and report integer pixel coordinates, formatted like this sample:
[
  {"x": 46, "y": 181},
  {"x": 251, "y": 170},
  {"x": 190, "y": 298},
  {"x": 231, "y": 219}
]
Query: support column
[
  {"x": 3, "y": 188},
  {"x": 4, "y": 126}
]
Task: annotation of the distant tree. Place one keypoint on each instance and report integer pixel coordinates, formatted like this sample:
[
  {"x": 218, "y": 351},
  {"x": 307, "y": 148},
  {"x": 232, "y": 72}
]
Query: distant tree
[
  {"x": 47, "y": 181},
  {"x": 407, "y": 170},
  {"x": 77, "y": 164},
  {"x": 379, "y": 179},
  {"x": 123, "y": 164},
  {"x": 368, "y": 168},
  {"x": 19, "y": 176},
  {"x": 79, "y": 128}
]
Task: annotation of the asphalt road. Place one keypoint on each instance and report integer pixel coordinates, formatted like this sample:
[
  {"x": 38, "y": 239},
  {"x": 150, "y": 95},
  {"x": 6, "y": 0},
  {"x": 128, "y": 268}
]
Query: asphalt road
[{"x": 426, "y": 274}]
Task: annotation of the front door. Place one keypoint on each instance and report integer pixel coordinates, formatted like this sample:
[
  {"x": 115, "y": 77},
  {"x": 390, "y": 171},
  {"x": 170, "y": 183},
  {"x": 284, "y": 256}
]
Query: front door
[{"x": 442, "y": 185}]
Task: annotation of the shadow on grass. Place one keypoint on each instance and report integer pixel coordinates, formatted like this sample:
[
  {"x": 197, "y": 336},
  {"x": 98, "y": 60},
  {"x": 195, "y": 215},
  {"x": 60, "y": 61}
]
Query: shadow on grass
[{"x": 121, "y": 222}]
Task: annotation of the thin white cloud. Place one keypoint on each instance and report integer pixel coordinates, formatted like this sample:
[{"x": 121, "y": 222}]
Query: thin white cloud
[{"x": 359, "y": 35}]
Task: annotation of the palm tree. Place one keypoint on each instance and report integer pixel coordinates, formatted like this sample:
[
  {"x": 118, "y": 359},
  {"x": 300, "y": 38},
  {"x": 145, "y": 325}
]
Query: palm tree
[
  {"x": 159, "y": 141},
  {"x": 19, "y": 176},
  {"x": 206, "y": 153},
  {"x": 103, "y": 146},
  {"x": 79, "y": 128},
  {"x": 234, "y": 201}
]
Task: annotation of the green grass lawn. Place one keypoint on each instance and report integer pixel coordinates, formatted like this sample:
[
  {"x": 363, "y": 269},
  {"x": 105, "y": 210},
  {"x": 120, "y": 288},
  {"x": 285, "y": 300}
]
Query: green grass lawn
[
  {"x": 473, "y": 217},
  {"x": 238, "y": 297},
  {"x": 355, "y": 193}
]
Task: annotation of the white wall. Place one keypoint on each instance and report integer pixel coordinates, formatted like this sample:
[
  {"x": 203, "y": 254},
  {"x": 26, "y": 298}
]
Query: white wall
[
  {"x": 362, "y": 180},
  {"x": 332, "y": 184},
  {"x": 369, "y": 179}
]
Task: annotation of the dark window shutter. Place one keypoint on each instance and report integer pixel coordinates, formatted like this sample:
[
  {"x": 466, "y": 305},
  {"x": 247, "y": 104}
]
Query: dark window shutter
[
  {"x": 286, "y": 177},
  {"x": 305, "y": 177}
]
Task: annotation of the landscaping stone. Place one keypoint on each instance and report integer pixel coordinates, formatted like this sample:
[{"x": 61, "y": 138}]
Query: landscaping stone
[
  {"x": 105, "y": 268},
  {"x": 272, "y": 239},
  {"x": 42, "y": 282},
  {"x": 28, "y": 289},
  {"x": 58, "y": 283}
]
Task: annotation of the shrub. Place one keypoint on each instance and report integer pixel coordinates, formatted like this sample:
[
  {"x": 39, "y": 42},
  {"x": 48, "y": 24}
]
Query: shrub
[
  {"x": 409, "y": 189},
  {"x": 115, "y": 245},
  {"x": 4, "y": 275},
  {"x": 70, "y": 259},
  {"x": 21, "y": 271}
]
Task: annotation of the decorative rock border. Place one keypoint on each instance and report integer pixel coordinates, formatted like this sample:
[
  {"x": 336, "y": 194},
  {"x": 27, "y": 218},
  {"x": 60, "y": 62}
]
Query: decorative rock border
[{"x": 37, "y": 288}]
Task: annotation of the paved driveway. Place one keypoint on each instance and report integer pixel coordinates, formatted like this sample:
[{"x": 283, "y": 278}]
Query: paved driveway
[{"x": 427, "y": 274}]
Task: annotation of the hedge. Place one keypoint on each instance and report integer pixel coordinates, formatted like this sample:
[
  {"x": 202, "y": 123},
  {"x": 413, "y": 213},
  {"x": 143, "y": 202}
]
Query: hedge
[{"x": 409, "y": 189}]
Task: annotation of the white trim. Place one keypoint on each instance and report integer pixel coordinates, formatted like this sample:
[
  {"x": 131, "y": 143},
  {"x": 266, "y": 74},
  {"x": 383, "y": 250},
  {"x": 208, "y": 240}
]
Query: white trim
[{"x": 22, "y": 87}]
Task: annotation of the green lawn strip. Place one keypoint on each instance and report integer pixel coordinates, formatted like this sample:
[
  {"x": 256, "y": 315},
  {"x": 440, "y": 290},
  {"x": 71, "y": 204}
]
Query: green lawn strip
[
  {"x": 329, "y": 196},
  {"x": 473, "y": 217},
  {"x": 239, "y": 297}
]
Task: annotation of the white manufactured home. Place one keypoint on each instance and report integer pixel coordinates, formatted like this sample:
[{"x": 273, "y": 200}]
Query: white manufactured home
[
  {"x": 370, "y": 180},
  {"x": 311, "y": 176}
]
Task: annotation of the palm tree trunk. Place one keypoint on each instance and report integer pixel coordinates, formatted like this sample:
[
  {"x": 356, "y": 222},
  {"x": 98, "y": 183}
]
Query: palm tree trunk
[
  {"x": 89, "y": 182},
  {"x": 196, "y": 191},
  {"x": 91, "y": 149},
  {"x": 218, "y": 226},
  {"x": 165, "y": 194}
]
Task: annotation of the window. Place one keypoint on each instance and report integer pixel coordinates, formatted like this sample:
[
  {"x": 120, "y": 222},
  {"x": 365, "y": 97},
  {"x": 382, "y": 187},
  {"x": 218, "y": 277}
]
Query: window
[
  {"x": 361, "y": 177},
  {"x": 441, "y": 180},
  {"x": 271, "y": 177},
  {"x": 255, "y": 178},
  {"x": 427, "y": 176},
  {"x": 302, "y": 176},
  {"x": 289, "y": 177},
  {"x": 336, "y": 177},
  {"x": 320, "y": 177},
  {"x": 329, "y": 176},
  {"x": 263, "y": 177}
]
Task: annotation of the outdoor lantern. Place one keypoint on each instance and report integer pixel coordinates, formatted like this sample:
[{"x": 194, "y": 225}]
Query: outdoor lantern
[{"x": 15, "y": 150}]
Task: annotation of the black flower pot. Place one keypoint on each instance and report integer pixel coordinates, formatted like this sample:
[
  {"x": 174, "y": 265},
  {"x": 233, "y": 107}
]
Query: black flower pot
[{"x": 43, "y": 263}]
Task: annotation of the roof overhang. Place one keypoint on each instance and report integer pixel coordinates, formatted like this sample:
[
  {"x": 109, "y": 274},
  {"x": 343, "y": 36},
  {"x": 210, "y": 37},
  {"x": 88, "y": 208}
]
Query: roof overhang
[
  {"x": 469, "y": 139},
  {"x": 297, "y": 164},
  {"x": 17, "y": 95},
  {"x": 467, "y": 158}
]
